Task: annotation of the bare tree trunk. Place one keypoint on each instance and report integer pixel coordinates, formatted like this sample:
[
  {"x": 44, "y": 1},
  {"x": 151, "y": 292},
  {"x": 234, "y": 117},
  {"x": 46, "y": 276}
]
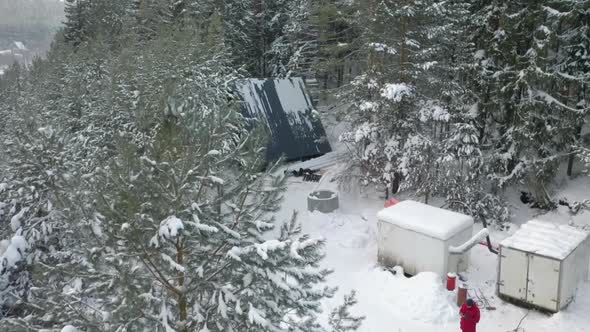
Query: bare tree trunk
[
  {"x": 397, "y": 179},
  {"x": 402, "y": 52},
  {"x": 570, "y": 163},
  {"x": 182, "y": 302},
  {"x": 537, "y": 188},
  {"x": 572, "y": 156}
]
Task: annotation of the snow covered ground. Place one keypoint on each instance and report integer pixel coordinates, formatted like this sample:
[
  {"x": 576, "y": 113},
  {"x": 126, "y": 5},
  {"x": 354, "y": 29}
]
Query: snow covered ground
[{"x": 395, "y": 303}]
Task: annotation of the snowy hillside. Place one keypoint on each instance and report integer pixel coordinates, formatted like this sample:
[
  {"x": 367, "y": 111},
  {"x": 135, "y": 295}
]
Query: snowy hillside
[
  {"x": 137, "y": 194},
  {"x": 421, "y": 303}
]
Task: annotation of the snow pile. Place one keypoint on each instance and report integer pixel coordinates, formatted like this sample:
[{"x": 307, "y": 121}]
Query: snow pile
[
  {"x": 547, "y": 239},
  {"x": 363, "y": 131},
  {"x": 15, "y": 221},
  {"x": 434, "y": 112},
  {"x": 479, "y": 55},
  {"x": 425, "y": 219},
  {"x": 13, "y": 252},
  {"x": 395, "y": 92},
  {"x": 262, "y": 249},
  {"x": 368, "y": 106},
  {"x": 171, "y": 227},
  {"x": 421, "y": 298},
  {"x": 380, "y": 47},
  {"x": 69, "y": 328},
  {"x": 74, "y": 287},
  {"x": 344, "y": 232}
]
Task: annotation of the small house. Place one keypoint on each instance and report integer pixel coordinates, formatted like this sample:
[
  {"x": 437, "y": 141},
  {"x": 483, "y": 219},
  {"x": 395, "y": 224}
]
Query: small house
[
  {"x": 17, "y": 52},
  {"x": 285, "y": 109},
  {"x": 20, "y": 46},
  {"x": 541, "y": 264},
  {"x": 417, "y": 237}
]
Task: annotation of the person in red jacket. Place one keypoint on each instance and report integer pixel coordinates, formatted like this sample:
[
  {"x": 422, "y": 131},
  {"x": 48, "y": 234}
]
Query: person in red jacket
[{"x": 469, "y": 316}]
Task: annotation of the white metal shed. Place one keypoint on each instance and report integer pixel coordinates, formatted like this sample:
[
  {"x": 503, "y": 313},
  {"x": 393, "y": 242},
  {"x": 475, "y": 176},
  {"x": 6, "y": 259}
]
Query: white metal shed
[
  {"x": 541, "y": 264},
  {"x": 417, "y": 237}
]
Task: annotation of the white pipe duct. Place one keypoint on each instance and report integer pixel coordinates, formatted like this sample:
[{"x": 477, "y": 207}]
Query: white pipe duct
[{"x": 470, "y": 243}]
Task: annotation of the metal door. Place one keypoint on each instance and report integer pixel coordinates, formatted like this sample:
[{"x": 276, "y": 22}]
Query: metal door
[
  {"x": 513, "y": 273},
  {"x": 543, "y": 283}
]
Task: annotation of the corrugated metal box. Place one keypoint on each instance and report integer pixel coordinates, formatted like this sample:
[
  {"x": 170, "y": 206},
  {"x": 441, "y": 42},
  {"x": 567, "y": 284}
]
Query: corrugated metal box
[
  {"x": 541, "y": 264},
  {"x": 284, "y": 108},
  {"x": 417, "y": 237}
]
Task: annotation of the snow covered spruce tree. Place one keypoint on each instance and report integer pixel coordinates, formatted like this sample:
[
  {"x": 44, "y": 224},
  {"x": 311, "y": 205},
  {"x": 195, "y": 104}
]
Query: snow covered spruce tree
[
  {"x": 176, "y": 231},
  {"x": 383, "y": 99},
  {"x": 295, "y": 50},
  {"x": 571, "y": 20},
  {"x": 32, "y": 158},
  {"x": 342, "y": 320},
  {"x": 413, "y": 122},
  {"x": 522, "y": 88},
  {"x": 396, "y": 118},
  {"x": 54, "y": 133},
  {"x": 269, "y": 38},
  {"x": 336, "y": 24}
]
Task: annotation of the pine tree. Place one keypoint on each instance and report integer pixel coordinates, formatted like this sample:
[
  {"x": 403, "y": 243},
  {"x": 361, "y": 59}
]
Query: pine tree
[
  {"x": 338, "y": 29},
  {"x": 295, "y": 50},
  {"x": 242, "y": 31},
  {"x": 32, "y": 158},
  {"x": 519, "y": 95},
  {"x": 571, "y": 20},
  {"x": 269, "y": 38},
  {"x": 139, "y": 196},
  {"x": 402, "y": 120},
  {"x": 88, "y": 19},
  {"x": 77, "y": 20},
  {"x": 384, "y": 98},
  {"x": 340, "y": 318}
]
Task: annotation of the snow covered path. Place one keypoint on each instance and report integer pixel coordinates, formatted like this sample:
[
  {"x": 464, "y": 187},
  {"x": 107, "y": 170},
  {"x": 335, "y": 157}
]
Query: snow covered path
[{"x": 419, "y": 304}]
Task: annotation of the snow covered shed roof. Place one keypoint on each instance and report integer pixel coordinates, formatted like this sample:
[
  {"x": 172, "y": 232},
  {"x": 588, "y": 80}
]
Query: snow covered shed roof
[
  {"x": 285, "y": 108},
  {"x": 425, "y": 219},
  {"x": 546, "y": 239},
  {"x": 20, "y": 45}
]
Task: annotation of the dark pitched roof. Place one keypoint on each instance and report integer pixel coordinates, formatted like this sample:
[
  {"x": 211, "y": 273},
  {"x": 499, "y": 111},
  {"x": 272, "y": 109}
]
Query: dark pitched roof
[{"x": 284, "y": 106}]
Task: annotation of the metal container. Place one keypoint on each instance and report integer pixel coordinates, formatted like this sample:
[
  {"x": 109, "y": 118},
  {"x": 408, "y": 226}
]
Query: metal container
[
  {"x": 543, "y": 267},
  {"x": 417, "y": 236}
]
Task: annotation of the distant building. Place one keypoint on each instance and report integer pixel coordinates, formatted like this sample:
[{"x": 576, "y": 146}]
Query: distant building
[
  {"x": 17, "y": 52},
  {"x": 284, "y": 107},
  {"x": 20, "y": 46}
]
